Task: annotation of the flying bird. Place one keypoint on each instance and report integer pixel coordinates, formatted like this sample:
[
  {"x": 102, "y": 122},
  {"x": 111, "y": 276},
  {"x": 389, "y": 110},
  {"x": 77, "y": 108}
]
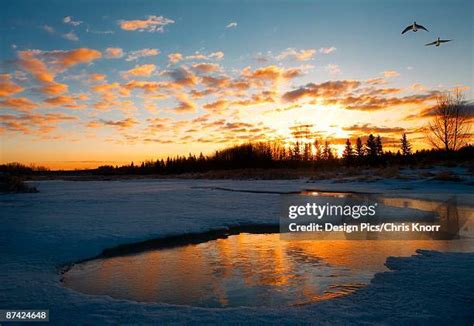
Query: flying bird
[
  {"x": 414, "y": 27},
  {"x": 438, "y": 42}
]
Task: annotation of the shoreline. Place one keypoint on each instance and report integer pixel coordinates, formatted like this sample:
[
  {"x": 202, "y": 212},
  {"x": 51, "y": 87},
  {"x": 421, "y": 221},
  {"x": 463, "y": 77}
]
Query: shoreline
[{"x": 460, "y": 174}]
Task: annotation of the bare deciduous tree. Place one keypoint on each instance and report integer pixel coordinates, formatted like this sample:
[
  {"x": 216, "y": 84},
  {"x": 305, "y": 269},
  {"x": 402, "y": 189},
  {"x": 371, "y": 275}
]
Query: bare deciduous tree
[{"x": 449, "y": 128}]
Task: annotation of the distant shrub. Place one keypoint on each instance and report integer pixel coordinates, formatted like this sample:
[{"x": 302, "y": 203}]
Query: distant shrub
[
  {"x": 16, "y": 168},
  {"x": 11, "y": 183}
]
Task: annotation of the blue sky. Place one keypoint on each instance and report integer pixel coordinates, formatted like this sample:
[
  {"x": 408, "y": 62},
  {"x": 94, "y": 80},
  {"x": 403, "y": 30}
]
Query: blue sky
[{"x": 350, "y": 40}]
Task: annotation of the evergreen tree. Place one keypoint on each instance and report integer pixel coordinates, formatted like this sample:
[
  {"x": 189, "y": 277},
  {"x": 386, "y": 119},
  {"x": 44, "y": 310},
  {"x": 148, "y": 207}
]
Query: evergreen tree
[
  {"x": 348, "y": 153},
  {"x": 307, "y": 152},
  {"x": 327, "y": 152},
  {"x": 371, "y": 147},
  {"x": 405, "y": 145},
  {"x": 317, "y": 150},
  {"x": 378, "y": 144},
  {"x": 297, "y": 151},
  {"x": 359, "y": 148}
]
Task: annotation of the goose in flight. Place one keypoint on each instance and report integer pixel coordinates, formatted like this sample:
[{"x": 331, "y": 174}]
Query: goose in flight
[
  {"x": 414, "y": 27},
  {"x": 438, "y": 42}
]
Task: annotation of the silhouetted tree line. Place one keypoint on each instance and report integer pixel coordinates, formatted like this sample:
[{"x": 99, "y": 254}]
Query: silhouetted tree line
[
  {"x": 265, "y": 155},
  {"x": 318, "y": 154}
]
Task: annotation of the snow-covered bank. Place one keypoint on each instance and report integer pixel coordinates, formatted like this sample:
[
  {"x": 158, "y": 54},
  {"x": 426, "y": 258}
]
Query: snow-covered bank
[{"x": 70, "y": 221}]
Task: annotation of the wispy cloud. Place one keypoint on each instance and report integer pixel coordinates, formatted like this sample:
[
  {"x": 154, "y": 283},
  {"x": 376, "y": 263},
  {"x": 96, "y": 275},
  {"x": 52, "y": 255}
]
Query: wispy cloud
[
  {"x": 206, "y": 67},
  {"x": 66, "y": 101},
  {"x": 292, "y": 53},
  {"x": 119, "y": 124},
  {"x": 19, "y": 103},
  {"x": 28, "y": 123},
  {"x": 48, "y": 29},
  {"x": 218, "y": 55},
  {"x": 8, "y": 87},
  {"x": 149, "y": 24},
  {"x": 391, "y": 73},
  {"x": 327, "y": 50},
  {"x": 300, "y": 55},
  {"x": 175, "y": 57},
  {"x": 97, "y": 77},
  {"x": 44, "y": 65},
  {"x": 113, "y": 53},
  {"x": 231, "y": 25},
  {"x": 333, "y": 69},
  {"x": 368, "y": 128},
  {"x": 140, "y": 70},
  {"x": 71, "y": 36},
  {"x": 70, "y": 21},
  {"x": 355, "y": 95},
  {"x": 135, "y": 55},
  {"x": 88, "y": 30},
  {"x": 185, "y": 105}
]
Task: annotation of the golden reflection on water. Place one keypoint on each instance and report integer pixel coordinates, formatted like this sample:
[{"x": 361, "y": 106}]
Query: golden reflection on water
[
  {"x": 246, "y": 270},
  {"x": 262, "y": 269}
]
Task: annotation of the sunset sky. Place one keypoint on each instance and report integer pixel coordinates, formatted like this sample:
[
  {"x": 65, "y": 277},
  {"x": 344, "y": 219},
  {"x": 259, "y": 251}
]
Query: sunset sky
[{"x": 106, "y": 82}]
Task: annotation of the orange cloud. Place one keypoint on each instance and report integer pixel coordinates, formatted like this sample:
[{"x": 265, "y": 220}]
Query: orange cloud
[
  {"x": 175, "y": 57},
  {"x": 206, "y": 67},
  {"x": 368, "y": 128},
  {"x": 327, "y": 89},
  {"x": 158, "y": 124},
  {"x": 218, "y": 55},
  {"x": 19, "y": 103},
  {"x": 217, "y": 106},
  {"x": 36, "y": 67},
  {"x": 376, "y": 81},
  {"x": 148, "y": 87},
  {"x": 183, "y": 77},
  {"x": 97, "y": 77},
  {"x": 350, "y": 95},
  {"x": 102, "y": 88},
  {"x": 8, "y": 87},
  {"x": 184, "y": 104},
  {"x": 119, "y": 124},
  {"x": 66, "y": 101},
  {"x": 216, "y": 82},
  {"x": 372, "y": 102},
  {"x": 271, "y": 74},
  {"x": 150, "y": 24},
  {"x": 33, "y": 61},
  {"x": 109, "y": 94},
  {"x": 390, "y": 74},
  {"x": 60, "y": 100},
  {"x": 28, "y": 123},
  {"x": 54, "y": 88},
  {"x": 418, "y": 87},
  {"x": 140, "y": 70},
  {"x": 264, "y": 97},
  {"x": 66, "y": 59},
  {"x": 113, "y": 53},
  {"x": 300, "y": 55}
]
